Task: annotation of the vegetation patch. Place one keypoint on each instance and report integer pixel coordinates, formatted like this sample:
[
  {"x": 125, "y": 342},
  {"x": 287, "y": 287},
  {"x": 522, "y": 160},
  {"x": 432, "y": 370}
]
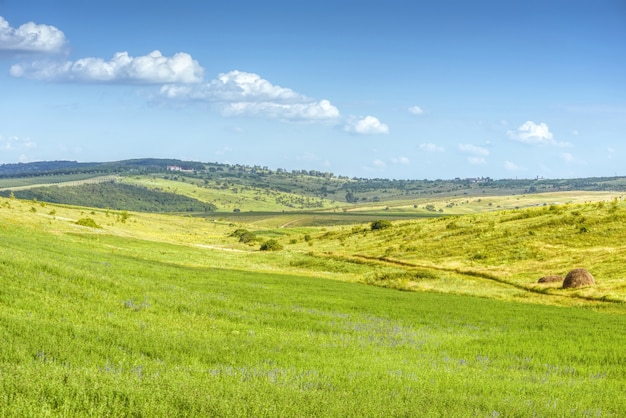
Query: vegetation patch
[
  {"x": 271, "y": 245},
  {"x": 88, "y": 222},
  {"x": 380, "y": 224}
]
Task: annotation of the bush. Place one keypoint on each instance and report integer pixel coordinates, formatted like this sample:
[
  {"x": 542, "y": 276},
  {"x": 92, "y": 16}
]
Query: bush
[
  {"x": 376, "y": 225},
  {"x": 247, "y": 237},
  {"x": 271, "y": 245},
  {"x": 244, "y": 235},
  {"x": 88, "y": 222},
  {"x": 239, "y": 232}
]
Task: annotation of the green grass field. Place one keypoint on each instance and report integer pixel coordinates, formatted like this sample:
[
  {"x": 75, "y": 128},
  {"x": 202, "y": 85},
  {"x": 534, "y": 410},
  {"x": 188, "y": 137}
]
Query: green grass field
[
  {"x": 155, "y": 315},
  {"x": 22, "y": 183}
]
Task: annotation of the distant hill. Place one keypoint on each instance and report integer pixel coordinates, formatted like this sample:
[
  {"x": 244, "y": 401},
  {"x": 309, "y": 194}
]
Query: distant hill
[
  {"x": 114, "y": 196},
  {"x": 232, "y": 179},
  {"x": 38, "y": 168},
  {"x": 43, "y": 168}
]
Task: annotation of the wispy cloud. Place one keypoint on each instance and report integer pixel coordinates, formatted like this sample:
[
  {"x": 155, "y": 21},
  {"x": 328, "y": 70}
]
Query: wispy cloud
[
  {"x": 380, "y": 164},
  {"x": 476, "y": 154},
  {"x": 473, "y": 150},
  {"x": 30, "y": 37},
  {"x": 401, "y": 161},
  {"x": 431, "y": 147},
  {"x": 511, "y": 166},
  {"x": 476, "y": 160},
  {"x": 153, "y": 68},
  {"x": 367, "y": 125},
  {"x": 14, "y": 143},
  {"x": 571, "y": 159},
  {"x": 415, "y": 110}
]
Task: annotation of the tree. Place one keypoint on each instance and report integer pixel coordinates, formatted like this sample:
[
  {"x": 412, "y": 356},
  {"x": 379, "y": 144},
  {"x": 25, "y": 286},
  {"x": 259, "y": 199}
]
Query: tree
[{"x": 351, "y": 198}]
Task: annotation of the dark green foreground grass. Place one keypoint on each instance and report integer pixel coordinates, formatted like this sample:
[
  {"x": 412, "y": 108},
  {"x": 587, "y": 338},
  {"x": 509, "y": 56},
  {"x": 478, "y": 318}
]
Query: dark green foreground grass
[{"x": 85, "y": 331}]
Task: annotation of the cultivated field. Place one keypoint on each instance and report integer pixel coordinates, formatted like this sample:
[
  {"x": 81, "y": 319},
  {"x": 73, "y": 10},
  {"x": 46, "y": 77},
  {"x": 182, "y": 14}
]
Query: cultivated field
[{"x": 127, "y": 314}]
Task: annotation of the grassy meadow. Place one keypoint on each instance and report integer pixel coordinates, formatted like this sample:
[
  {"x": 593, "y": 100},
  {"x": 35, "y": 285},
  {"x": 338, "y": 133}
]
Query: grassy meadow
[{"x": 157, "y": 315}]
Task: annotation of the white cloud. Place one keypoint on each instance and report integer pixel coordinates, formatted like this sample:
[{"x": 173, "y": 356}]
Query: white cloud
[
  {"x": 416, "y": 110},
  {"x": 473, "y": 149},
  {"x": 153, "y": 68},
  {"x": 314, "y": 111},
  {"x": 13, "y": 143},
  {"x": 366, "y": 125},
  {"x": 512, "y": 166},
  {"x": 431, "y": 147},
  {"x": 476, "y": 160},
  {"x": 531, "y": 133},
  {"x": 570, "y": 159},
  {"x": 30, "y": 37},
  {"x": 234, "y": 86},
  {"x": 476, "y": 154},
  {"x": 401, "y": 160},
  {"x": 223, "y": 150},
  {"x": 379, "y": 164},
  {"x": 247, "y": 94}
]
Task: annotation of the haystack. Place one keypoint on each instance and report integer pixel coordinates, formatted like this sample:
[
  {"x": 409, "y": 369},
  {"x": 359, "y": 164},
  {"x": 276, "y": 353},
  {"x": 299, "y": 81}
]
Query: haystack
[
  {"x": 578, "y": 278},
  {"x": 550, "y": 279}
]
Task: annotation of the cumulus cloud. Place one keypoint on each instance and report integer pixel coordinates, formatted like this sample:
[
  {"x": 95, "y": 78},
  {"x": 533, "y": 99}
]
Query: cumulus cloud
[
  {"x": 473, "y": 150},
  {"x": 531, "y": 133},
  {"x": 415, "y": 110},
  {"x": 431, "y": 147},
  {"x": 14, "y": 143},
  {"x": 241, "y": 93},
  {"x": 30, "y": 37},
  {"x": 367, "y": 125},
  {"x": 153, "y": 68},
  {"x": 234, "y": 86}
]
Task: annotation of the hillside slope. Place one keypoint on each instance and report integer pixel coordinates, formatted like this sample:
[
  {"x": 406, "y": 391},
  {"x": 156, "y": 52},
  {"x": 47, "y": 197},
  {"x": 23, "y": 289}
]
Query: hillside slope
[{"x": 154, "y": 315}]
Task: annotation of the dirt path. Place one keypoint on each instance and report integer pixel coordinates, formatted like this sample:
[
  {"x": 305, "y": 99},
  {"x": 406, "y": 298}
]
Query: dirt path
[{"x": 215, "y": 247}]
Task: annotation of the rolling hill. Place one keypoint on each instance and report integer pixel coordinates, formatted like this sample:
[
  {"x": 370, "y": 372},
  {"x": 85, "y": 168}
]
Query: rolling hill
[{"x": 118, "y": 312}]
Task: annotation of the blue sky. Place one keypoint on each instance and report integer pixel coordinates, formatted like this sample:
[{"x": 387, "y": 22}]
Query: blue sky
[{"x": 393, "y": 89}]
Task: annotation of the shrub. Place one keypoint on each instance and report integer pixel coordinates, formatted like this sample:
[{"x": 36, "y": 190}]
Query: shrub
[
  {"x": 271, "y": 245},
  {"x": 239, "y": 232},
  {"x": 88, "y": 222},
  {"x": 377, "y": 225},
  {"x": 247, "y": 237}
]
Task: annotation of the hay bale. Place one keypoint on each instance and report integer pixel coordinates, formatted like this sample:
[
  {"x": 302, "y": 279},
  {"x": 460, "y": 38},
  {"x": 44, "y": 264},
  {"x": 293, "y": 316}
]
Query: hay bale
[
  {"x": 578, "y": 278},
  {"x": 550, "y": 279}
]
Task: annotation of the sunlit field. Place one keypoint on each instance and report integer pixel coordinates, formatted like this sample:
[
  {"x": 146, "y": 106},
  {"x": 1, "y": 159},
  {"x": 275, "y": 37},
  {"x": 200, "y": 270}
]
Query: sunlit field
[{"x": 165, "y": 315}]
